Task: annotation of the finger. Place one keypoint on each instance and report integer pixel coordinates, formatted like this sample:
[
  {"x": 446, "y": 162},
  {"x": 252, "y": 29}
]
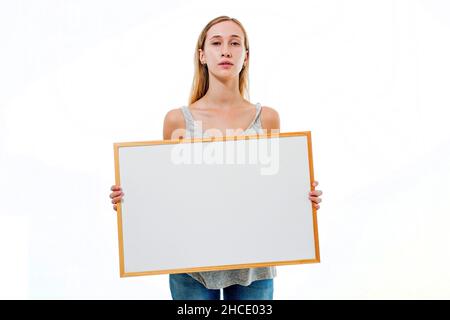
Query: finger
[
  {"x": 315, "y": 199},
  {"x": 315, "y": 183},
  {"x": 316, "y": 206},
  {"x": 115, "y": 207},
  {"x": 316, "y": 193},
  {"x": 116, "y": 199},
  {"x": 116, "y": 188},
  {"x": 116, "y": 194}
]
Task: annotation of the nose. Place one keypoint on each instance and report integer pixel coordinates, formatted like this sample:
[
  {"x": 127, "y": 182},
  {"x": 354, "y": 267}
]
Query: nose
[{"x": 225, "y": 52}]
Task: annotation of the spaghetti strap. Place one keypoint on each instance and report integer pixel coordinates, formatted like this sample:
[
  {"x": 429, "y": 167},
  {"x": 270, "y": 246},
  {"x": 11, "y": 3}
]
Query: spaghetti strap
[
  {"x": 257, "y": 115},
  {"x": 187, "y": 113},
  {"x": 189, "y": 120},
  {"x": 258, "y": 110}
]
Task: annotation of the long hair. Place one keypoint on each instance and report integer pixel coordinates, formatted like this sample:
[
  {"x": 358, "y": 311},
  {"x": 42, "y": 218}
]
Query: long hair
[{"x": 200, "y": 82}]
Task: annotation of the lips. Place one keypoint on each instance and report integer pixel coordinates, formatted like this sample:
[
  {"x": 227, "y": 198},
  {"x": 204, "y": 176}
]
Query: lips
[{"x": 226, "y": 63}]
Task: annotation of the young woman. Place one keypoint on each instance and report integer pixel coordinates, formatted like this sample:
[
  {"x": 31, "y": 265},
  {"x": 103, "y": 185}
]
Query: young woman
[{"x": 217, "y": 104}]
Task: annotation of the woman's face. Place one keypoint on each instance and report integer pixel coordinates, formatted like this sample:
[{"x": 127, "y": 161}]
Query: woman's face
[{"x": 224, "y": 42}]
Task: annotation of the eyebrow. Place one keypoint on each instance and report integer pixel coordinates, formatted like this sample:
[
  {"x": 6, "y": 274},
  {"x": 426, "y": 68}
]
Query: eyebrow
[{"x": 219, "y": 36}]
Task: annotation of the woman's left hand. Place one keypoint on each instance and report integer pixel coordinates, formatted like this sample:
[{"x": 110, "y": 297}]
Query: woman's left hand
[{"x": 314, "y": 196}]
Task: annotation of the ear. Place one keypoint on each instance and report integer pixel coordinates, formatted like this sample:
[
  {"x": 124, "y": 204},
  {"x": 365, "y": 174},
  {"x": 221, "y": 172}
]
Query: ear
[{"x": 201, "y": 55}]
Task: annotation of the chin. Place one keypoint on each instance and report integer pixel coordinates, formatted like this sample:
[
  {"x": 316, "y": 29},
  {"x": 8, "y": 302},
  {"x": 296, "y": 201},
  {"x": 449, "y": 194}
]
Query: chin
[{"x": 226, "y": 75}]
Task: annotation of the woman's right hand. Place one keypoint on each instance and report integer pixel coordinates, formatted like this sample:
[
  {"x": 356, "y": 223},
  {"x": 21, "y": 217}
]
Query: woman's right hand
[{"x": 116, "y": 195}]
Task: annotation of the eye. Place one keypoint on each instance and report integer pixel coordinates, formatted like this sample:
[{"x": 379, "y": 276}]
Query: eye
[{"x": 214, "y": 43}]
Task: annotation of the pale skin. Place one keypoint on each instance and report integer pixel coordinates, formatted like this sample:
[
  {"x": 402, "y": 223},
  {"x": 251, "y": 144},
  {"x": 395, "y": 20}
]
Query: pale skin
[{"x": 222, "y": 107}]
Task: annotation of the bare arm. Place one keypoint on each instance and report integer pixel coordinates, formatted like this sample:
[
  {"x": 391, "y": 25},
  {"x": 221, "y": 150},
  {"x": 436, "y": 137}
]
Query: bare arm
[
  {"x": 270, "y": 120},
  {"x": 174, "y": 126}
]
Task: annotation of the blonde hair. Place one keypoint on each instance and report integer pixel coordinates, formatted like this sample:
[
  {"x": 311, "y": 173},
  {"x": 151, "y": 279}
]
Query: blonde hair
[{"x": 200, "y": 82}]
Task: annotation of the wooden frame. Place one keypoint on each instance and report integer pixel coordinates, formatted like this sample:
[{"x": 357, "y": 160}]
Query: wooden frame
[{"x": 312, "y": 240}]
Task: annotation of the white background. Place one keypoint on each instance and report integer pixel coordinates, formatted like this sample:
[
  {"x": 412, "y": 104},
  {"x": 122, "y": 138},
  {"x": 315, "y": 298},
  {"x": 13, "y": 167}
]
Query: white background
[{"x": 370, "y": 79}]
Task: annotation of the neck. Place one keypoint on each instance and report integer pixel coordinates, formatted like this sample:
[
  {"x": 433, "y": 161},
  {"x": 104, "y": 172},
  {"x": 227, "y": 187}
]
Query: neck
[{"x": 223, "y": 94}]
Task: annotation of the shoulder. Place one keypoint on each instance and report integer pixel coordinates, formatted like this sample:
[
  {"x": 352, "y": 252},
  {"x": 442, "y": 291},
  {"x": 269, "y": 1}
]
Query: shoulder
[
  {"x": 173, "y": 120},
  {"x": 174, "y": 115},
  {"x": 270, "y": 119}
]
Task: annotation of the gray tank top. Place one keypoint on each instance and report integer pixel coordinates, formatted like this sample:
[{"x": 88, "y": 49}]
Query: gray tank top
[{"x": 225, "y": 278}]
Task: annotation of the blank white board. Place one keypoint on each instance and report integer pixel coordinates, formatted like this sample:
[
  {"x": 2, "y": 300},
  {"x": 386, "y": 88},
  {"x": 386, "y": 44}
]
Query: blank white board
[{"x": 214, "y": 203}]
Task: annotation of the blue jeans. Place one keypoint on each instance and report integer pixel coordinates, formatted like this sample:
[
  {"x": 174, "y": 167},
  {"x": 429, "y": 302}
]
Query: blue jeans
[{"x": 184, "y": 287}]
